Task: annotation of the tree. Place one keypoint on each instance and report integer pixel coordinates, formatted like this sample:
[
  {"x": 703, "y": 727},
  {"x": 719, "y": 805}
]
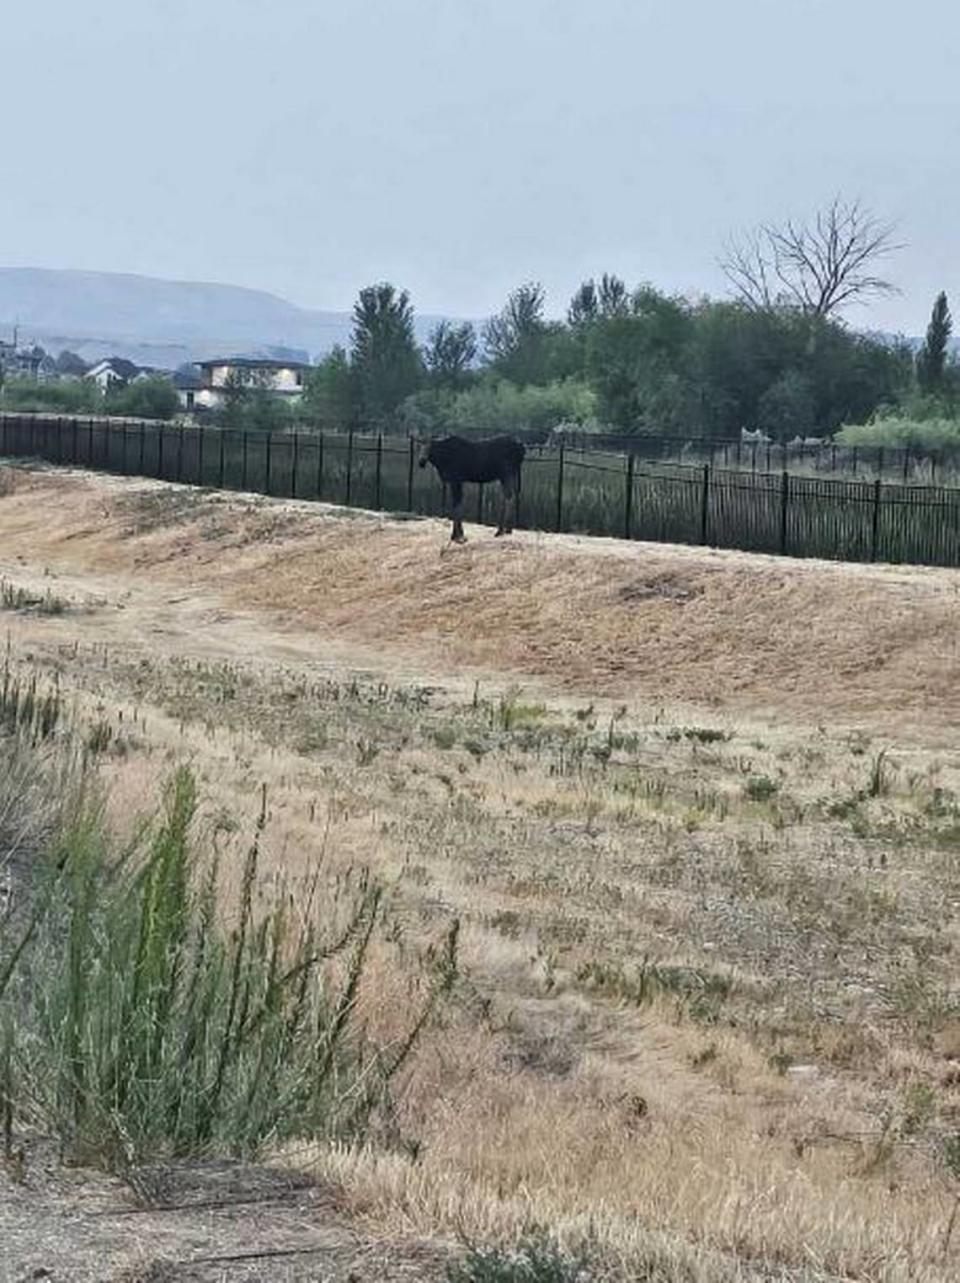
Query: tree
[
  {"x": 613, "y": 298},
  {"x": 329, "y": 393},
  {"x": 819, "y": 267},
  {"x": 152, "y": 398},
  {"x": 449, "y": 354},
  {"x": 584, "y": 306},
  {"x": 637, "y": 363},
  {"x": 932, "y": 357},
  {"x": 383, "y": 352},
  {"x": 592, "y": 302},
  {"x": 513, "y": 338},
  {"x": 788, "y": 408}
]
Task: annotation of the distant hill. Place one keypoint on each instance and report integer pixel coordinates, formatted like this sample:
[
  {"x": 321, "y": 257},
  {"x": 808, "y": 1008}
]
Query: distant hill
[{"x": 162, "y": 323}]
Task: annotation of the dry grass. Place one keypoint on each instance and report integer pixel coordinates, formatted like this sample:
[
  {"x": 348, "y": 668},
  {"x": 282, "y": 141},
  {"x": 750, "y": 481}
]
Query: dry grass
[{"x": 712, "y": 1002}]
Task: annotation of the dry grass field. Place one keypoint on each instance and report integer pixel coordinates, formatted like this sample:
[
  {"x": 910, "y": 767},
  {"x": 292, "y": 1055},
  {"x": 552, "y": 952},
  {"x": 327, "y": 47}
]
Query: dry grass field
[{"x": 698, "y": 814}]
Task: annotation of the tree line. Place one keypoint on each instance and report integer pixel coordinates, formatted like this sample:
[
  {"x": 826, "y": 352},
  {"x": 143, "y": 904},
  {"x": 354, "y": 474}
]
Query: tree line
[{"x": 777, "y": 357}]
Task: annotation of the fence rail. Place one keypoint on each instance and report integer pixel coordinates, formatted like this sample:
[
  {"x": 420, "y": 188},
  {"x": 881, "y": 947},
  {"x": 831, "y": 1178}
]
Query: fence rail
[{"x": 565, "y": 488}]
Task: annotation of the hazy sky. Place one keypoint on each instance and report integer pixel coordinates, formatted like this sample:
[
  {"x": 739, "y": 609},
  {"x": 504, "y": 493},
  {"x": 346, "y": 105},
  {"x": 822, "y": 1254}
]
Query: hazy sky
[{"x": 458, "y": 147}]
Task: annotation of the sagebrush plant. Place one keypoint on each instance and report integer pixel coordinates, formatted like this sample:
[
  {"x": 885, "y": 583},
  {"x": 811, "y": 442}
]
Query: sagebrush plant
[
  {"x": 142, "y": 1026},
  {"x": 536, "y": 1258}
]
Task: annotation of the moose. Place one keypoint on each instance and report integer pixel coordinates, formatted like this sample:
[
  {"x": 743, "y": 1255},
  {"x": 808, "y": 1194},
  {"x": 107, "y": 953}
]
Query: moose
[{"x": 458, "y": 460}]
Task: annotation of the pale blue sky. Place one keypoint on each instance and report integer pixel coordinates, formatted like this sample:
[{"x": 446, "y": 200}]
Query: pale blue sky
[{"x": 458, "y": 147}]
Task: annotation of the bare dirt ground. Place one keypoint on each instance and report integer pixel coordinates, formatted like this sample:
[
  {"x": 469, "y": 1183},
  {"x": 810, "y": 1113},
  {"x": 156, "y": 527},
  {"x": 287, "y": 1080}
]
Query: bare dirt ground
[{"x": 697, "y": 812}]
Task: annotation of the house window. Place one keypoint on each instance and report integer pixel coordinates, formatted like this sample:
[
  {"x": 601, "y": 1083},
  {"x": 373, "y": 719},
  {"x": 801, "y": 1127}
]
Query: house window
[{"x": 298, "y": 378}]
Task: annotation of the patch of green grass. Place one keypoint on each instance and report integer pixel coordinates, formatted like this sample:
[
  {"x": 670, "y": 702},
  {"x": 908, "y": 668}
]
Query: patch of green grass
[
  {"x": 760, "y": 788},
  {"x": 701, "y": 992},
  {"x": 535, "y": 1259},
  {"x": 510, "y": 713},
  {"x": 699, "y": 734}
]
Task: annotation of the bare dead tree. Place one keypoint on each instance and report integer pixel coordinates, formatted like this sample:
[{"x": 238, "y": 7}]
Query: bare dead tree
[{"x": 818, "y": 267}]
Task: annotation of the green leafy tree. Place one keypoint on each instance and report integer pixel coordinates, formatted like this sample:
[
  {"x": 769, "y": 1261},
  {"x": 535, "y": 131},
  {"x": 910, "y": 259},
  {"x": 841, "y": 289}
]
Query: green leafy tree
[
  {"x": 384, "y": 358},
  {"x": 612, "y": 296},
  {"x": 69, "y": 363},
  {"x": 584, "y": 306},
  {"x": 329, "y": 394},
  {"x": 514, "y": 339},
  {"x": 788, "y": 408},
  {"x": 153, "y": 398},
  {"x": 636, "y": 362},
  {"x": 450, "y": 354},
  {"x": 932, "y": 357}
]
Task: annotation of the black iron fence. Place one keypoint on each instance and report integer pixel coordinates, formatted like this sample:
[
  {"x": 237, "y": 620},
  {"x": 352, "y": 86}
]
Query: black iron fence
[
  {"x": 753, "y": 454},
  {"x": 565, "y": 488}
]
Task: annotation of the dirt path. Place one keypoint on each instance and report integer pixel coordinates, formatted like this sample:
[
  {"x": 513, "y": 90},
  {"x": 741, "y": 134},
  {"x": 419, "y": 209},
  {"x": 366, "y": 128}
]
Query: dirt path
[{"x": 213, "y": 1222}]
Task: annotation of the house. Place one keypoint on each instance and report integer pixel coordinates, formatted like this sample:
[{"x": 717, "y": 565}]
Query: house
[
  {"x": 23, "y": 362},
  {"x": 188, "y": 383},
  {"x": 229, "y": 376},
  {"x": 112, "y": 372}
]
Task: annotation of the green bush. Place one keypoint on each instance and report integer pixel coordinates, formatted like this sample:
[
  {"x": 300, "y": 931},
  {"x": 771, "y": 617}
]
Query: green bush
[
  {"x": 536, "y": 1259},
  {"x": 493, "y": 405},
  {"x": 917, "y": 434},
  {"x": 134, "y": 1024},
  {"x": 153, "y": 398},
  {"x": 72, "y": 396}
]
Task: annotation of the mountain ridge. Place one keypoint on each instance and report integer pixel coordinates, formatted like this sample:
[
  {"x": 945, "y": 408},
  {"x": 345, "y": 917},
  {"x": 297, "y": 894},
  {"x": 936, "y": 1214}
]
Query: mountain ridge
[{"x": 155, "y": 321}]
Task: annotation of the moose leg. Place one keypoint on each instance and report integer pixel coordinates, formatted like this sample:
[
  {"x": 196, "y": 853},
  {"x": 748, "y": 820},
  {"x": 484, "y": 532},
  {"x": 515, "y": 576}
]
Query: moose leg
[
  {"x": 456, "y": 511},
  {"x": 508, "y": 489}
]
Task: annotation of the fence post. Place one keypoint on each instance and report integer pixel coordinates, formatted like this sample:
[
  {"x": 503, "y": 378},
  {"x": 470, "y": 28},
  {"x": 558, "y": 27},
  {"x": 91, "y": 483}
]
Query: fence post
[
  {"x": 410, "y": 475},
  {"x": 243, "y": 460},
  {"x": 560, "y": 489},
  {"x": 628, "y": 496},
  {"x": 142, "y": 447},
  {"x": 376, "y": 491},
  {"x": 293, "y": 467},
  {"x": 266, "y": 479},
  {"x": 480, "y": 504},
  {"x": 705, "y": 502},
  {"x": 854, "y": 460},
  {"x": 880, "y": 463},
  {"x": 349, "y": 477},
  {"x": 906, "y": 464},
  {"x": 179, "y": 454},
  {"x": 123, "y": 448},
  {"x": 221, "y": 470},
  {"x": 160, "y": 455},
  {"x": 875, "y": 523},
  {"x": 320, "y": 466},
  {"x": 200, "y": 456},
  {"x": 90, "y": 443},
  {"x": 784, "y": 501}
]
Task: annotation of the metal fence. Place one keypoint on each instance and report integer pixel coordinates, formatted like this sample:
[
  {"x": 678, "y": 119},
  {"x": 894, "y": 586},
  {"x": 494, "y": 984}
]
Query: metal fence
[
  {"x": 564, "y": 488},
  {"x": 889, "y": 463}
]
